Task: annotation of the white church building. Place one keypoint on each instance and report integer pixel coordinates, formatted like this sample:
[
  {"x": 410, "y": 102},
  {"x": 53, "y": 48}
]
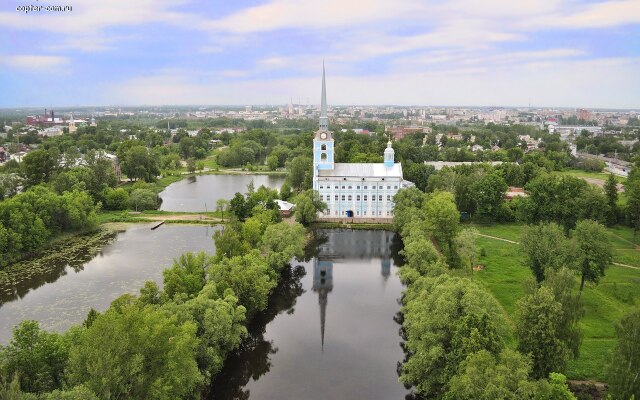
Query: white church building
[{"x": 358, "y": 192}]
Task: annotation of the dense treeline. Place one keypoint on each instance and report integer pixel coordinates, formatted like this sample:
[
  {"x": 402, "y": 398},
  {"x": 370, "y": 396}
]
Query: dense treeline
[
  {"x": 454, "y": 330},
  {"x": 61, "y": 192},
  {"x": 161, "y": 344},
  {"x": 480, "y": 191},
  {"x": 29, "y": 220}
]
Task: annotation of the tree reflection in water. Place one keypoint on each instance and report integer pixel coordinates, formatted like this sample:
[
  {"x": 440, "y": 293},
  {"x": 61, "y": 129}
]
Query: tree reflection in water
[
  {"x": 252, "y": 359},
  {"x": 25, "y": 276}
]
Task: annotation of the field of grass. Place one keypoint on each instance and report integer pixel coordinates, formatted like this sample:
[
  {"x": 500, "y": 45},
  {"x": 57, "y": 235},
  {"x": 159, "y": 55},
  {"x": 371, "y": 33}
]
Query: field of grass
[
  {"x": 605, "y": 303},
  {"x": 586, "y": 174}
]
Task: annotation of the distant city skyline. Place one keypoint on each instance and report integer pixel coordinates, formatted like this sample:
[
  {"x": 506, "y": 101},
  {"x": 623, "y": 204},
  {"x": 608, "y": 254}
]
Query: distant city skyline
[{"x": 557, "y": 53}]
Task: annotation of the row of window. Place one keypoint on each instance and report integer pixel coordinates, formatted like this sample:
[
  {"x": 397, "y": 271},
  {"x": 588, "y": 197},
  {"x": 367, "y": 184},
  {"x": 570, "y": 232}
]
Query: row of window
[
  {"x": 364, "y": 213},
  {"x": 350, "y": 187},
  {"x": 350, "y": 197}
]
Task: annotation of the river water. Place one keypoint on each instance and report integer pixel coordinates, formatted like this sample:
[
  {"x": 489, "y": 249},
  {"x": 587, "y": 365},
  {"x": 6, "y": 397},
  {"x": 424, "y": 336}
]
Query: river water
[
  {"x": 63, "y": 297},
  {"x": 201, "y": 192},
  {"x": 329, "y": 332}
]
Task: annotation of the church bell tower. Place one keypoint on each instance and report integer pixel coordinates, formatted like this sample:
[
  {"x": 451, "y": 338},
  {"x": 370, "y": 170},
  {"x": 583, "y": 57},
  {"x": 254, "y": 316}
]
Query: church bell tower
[{"x": 323, "y": 142}]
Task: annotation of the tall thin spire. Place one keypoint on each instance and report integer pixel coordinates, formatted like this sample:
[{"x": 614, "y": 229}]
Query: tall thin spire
[
  {"x": 324, "y": 119},
  {"x": 322, "y": 299},
  {"x": 323, "y": 105}
]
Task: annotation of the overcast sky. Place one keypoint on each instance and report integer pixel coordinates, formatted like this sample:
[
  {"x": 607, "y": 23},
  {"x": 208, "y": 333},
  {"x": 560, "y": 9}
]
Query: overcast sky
[{"x": 426, "y": 52}]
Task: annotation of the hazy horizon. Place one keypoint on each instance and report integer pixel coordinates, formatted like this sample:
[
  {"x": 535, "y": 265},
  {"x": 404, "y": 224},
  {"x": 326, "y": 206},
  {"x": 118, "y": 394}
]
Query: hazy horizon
[{"x": 460, "y": 53}]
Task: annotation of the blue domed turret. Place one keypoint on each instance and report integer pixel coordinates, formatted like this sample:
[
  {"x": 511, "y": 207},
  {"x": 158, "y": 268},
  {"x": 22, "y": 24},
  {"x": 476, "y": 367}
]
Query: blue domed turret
[{"x": 389, "y": 156}]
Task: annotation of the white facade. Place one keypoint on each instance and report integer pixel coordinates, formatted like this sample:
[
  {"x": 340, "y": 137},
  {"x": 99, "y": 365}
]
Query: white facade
[{"x": 353, "y": 190}]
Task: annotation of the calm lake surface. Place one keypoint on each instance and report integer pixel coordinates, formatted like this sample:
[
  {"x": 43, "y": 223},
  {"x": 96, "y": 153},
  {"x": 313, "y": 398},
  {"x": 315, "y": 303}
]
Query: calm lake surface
[
  {"x": 329, "y": 331},
  {"x": 201, "y": 192},
  {"x": 63, "y": 298}
]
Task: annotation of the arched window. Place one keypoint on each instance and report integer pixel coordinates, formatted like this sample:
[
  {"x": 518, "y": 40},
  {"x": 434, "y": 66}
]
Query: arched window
[
  {"x": 323, "y": 147},
  {"x": 323, "y": 157}
]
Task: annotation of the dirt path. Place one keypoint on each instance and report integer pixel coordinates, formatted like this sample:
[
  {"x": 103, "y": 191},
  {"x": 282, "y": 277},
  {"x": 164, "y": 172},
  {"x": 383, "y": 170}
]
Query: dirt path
[
  {"x": 497, "y": 238},
  {"x": 601, "y": 182},
  {"x": 625, "y": 265},
  {"x": 512, "y": 242}
]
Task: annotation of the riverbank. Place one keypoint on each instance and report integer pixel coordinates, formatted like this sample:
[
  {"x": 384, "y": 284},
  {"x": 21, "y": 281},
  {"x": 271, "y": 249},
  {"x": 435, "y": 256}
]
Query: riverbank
[
  {"x": 72, "y": 249},
  {"x": 354, "y": 226},
  {"x": 174, "y": 176},
  {"x": 170, "y": 217}
]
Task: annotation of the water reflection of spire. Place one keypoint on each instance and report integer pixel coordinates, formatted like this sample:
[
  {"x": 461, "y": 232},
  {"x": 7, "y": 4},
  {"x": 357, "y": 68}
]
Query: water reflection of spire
[
  {"x": 386, "y": 267},
  {"x": 322, "y": 284}
]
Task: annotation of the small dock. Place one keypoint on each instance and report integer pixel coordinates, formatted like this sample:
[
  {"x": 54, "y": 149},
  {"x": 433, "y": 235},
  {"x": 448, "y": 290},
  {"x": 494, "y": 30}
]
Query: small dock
[{"x": 156, "y": 226}]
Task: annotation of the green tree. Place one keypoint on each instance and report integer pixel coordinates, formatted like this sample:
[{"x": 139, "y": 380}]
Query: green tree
[
  {"x": 75, "y": 393},
  {"x": 187, "y": 276},
  {"x": 594, "y": 250},
  {"x": 285, "y": 191},
  {"x": 488, "y": 193},
  {"x": 9, "y": 185},
  {"x": 283, "y": 241},
  {"x": 611, "y": 191},
  {"x": 622, "y": 374},
  {"x": 191, "y": 165},
  {"x": 252, "y": 230},
  {"x": 539, "y": 318},
  {"x": 557, "y": 198},
  {"x": 136, "y": 353},
  {"x": 143, "y": 199},
  {"x": 465, "y": 244},
  {"x": 11, "y": 391},
  {"x": 37, "y": 357},
  {"x": 250, "y": 278},
  {"x": 632, "y": 191},
  {"x": 272, "y": 162},
  {"x": 408, "y": 208},
  {"x": 139, "y": 163},
  {"x": 102, "y": 172},
  {"x": 419, "y": 253},
  {"x": 308, "y": 204},
  {"x": 220, "y": 325},
  {"x": 116, "y": 199},
  {"x": 419, "y": 174},
  {"x": 300, "y": 173},
  {"x": 442, "y": 220},
  {"x": 228, "y": 242},
  {"x": 38, "y": 166},
  {"x": 483, "y": 376},
  {"x": 546, "y": 247},
  {"x": 446, "y": 319},
  {"x": 238, "y": 206},
  {"x": 222, "y": 205},
  {"x": 562, "y": 285}
]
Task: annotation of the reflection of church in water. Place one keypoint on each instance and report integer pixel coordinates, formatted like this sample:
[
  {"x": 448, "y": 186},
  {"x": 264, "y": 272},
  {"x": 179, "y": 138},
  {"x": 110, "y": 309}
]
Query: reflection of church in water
[{"x": 347, "y": 245}]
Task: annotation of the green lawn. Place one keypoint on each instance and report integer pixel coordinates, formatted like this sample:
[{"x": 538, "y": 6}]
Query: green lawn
[
  {"x": 586, "y": 174},
  {"x": 605, "y": 303}
]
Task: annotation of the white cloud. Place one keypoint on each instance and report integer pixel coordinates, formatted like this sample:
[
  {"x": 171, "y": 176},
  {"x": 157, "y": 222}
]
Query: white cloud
[
  {"x": 34, "y": 62},
  {"x": 607, "y": 82},
  {"x": 595, "y": 15},
  {"x": 305, "y": 14},
  {"x": 85, "y": 28},
  {"x": 90, "y": 16}
]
